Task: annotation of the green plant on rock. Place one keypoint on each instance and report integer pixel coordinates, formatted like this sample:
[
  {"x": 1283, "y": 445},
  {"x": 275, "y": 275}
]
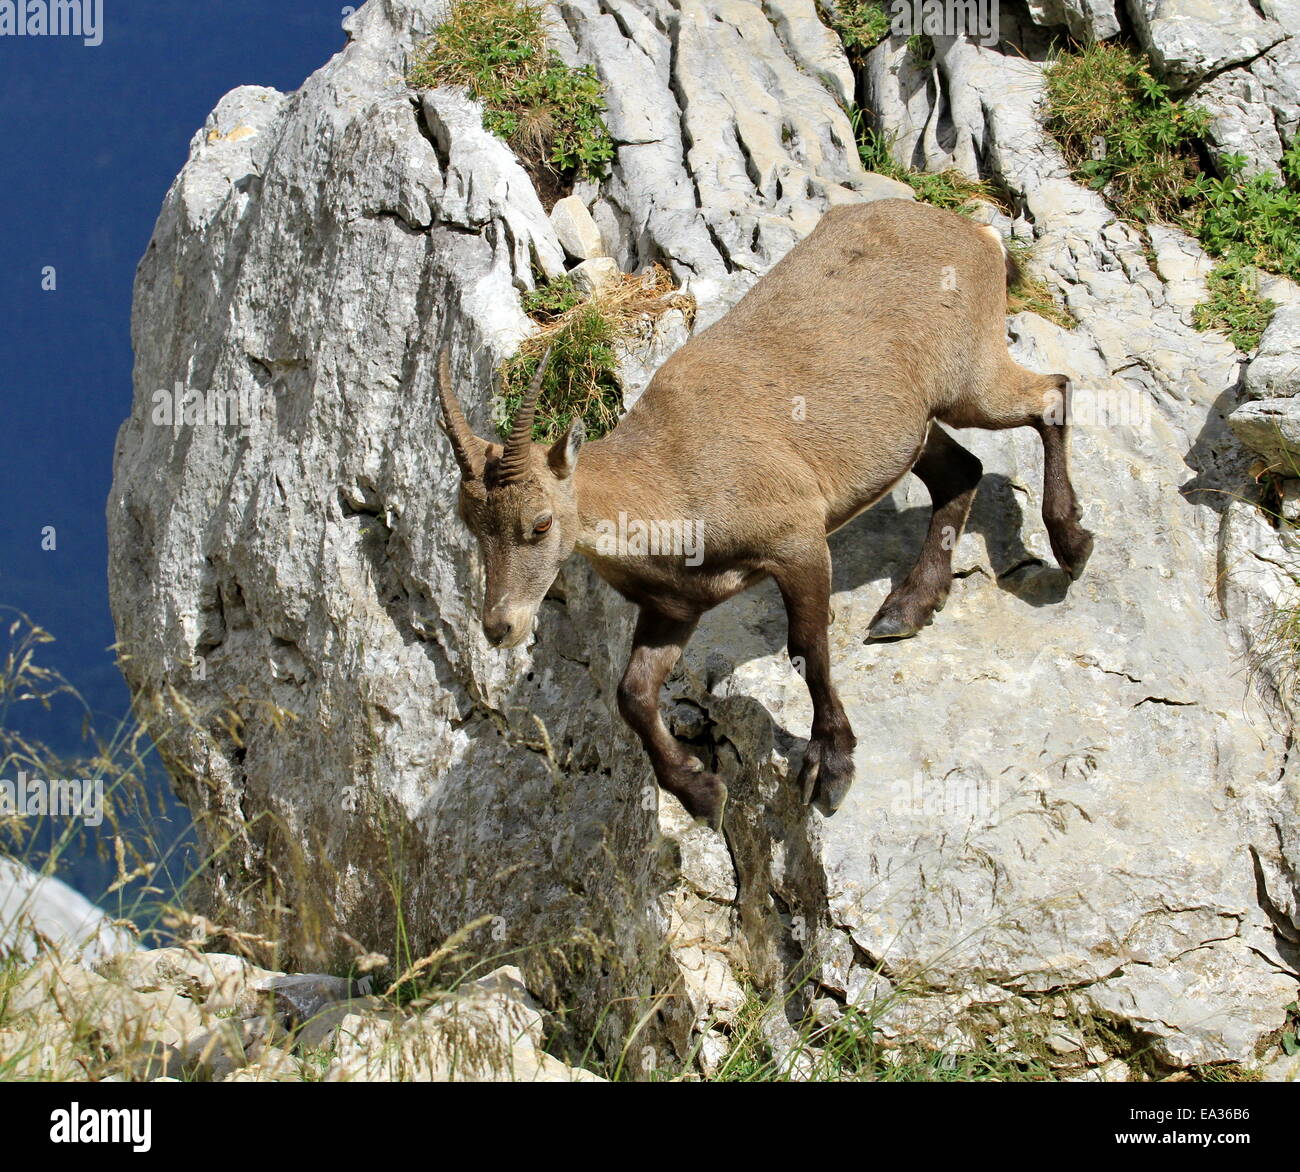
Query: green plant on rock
[
  {"x": 550, "y": 113},
  {"x": 1121, "y": 131},
  {"x": 583, "y": 333},
  {"x": 580, "y": 380},
  {"x": 1252, "y": 220},
  {"x": 1235, "y": 305},
  {"x": 1028, "y": 294},
  {"x": 861, "y": 25},
  {"x": 921, "y": 47},
  {"x": 948, "y": 189}
]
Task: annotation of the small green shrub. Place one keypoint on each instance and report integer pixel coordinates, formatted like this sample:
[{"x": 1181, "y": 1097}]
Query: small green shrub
[
  {"x": 1250, "y": 221},
  {"x": 551, "y": 114},
  {"x": 1235, "y": 305},
  {"x": 550, "y": 301},
  {"x": 1121, "y": 132}
]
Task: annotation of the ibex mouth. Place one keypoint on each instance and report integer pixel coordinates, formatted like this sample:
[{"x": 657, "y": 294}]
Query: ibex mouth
[{"x": 510, "y": 629}]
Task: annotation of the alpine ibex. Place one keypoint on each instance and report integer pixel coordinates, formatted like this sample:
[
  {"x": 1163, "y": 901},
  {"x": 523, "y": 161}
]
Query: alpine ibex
[{"x": 802, "y": 407}]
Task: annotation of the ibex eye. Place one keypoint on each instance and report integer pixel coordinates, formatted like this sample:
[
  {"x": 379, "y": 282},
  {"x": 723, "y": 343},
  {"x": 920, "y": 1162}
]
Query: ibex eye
[{"x": 542, "y": 524}]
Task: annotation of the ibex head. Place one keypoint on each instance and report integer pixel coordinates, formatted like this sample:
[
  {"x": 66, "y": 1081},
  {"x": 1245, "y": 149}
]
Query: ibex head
[{"x": 518, "y": 500}]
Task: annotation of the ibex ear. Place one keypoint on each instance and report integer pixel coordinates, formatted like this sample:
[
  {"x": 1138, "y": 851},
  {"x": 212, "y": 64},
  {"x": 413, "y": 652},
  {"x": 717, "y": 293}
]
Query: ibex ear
[{"x": 563, "y": 456}]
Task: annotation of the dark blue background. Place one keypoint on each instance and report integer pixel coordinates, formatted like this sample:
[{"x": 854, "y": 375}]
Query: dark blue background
[{"x": 92, "y": 137}]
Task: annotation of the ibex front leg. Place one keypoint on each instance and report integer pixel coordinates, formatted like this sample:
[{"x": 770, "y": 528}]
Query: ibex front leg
[
  {"x": 805, "y": 584},
  {"x": 656, "y": 646}
]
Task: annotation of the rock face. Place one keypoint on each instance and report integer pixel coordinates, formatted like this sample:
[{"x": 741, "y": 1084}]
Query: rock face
[
  {"x": 1063, "y": 791},
  {"x": 39, "y": 910}
]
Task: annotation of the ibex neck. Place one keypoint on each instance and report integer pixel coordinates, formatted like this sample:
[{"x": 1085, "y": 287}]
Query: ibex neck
[{"x": 614, "y": 480}]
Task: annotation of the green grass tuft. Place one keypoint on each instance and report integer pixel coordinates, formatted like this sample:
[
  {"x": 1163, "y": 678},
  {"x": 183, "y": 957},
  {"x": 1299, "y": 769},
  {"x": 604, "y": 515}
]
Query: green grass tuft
[
  {"x": 551, "y": 114},
  {"x": 1121, "y": 132},
  {"x": 861, "y": 25},
  {"x": 584, "y": 334},
  {"x": 948, "y": 189}
]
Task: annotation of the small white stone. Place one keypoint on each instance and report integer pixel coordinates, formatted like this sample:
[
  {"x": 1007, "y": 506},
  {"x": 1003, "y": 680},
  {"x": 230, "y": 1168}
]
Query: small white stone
[
  {"x": 576, "y": 230},
  {"x": 596, "y": 274}
]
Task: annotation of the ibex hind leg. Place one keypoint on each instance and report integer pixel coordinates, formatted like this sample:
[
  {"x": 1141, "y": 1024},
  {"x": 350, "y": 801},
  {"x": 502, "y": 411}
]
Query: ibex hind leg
[
  {"x": 1040, "y": 401},
  {"x": 951, "y": 474}
]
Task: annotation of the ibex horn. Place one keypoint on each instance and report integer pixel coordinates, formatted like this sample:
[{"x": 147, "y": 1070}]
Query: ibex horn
[
  {"x": 468, "y": 448},
  {"x": 514, "y": 457}
]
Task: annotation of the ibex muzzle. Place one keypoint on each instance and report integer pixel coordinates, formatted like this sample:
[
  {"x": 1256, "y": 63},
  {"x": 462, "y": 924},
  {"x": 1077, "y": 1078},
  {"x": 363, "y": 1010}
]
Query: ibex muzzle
[{"x": 766, "y": 432}]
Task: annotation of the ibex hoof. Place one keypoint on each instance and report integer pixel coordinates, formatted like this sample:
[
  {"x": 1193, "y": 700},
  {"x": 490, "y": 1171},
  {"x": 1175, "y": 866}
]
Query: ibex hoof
[
  {"x": 1072, "y": 550},
  {"x": 704, "y": 795},
  {"x": 826, "y": 776},
  {"x": 888, "y": 625}
]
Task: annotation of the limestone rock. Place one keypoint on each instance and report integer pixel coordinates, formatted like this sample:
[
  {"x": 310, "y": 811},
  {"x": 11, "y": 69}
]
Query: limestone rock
[
  {"x": 216, "y": 982},
  {"x": 1188, "y": 39},
  {"x": 40, "y": 911},
  {"x": 575, "y": 229},
  {"x": 1255, "y": 107},
  {"x": 1274, "y": 372},
  {"x": 1271, "y": 427},
  {"x": 1283, "y": 1069},
  {"x": 489, "y": 1031},
  {"x": 1087, "y": 20},
  {"x": 1070, "y": 787},
  {"x": 595, "y": 275}
]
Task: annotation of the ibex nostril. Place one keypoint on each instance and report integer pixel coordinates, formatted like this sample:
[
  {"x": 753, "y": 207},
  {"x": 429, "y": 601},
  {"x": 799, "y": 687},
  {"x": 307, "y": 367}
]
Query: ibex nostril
[{"x": 497, "y": 631}]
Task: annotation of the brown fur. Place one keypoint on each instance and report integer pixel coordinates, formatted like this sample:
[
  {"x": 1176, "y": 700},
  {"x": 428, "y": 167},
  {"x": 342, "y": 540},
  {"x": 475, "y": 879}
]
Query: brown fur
[{"x": 803, "y": 406}]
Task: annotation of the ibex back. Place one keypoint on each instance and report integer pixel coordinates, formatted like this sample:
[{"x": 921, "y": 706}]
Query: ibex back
[{"x": 803, "y": 406}]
